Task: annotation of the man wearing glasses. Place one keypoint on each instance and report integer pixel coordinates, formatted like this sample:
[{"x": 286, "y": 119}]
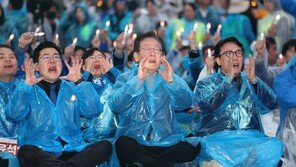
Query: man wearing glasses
[
  {"x": 145, "y": 98},
  {"x": 231, "y": 102},
  {"x": 48, "y": 110}
]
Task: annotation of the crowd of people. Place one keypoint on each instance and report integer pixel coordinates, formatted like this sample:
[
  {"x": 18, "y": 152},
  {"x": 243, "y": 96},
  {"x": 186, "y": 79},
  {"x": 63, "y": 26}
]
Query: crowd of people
[{"x": 148, "y": 83}]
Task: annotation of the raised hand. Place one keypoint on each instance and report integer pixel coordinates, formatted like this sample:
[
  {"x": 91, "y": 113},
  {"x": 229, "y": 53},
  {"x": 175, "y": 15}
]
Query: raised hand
[
  {"x": 74, "y": 71},
  {"x": 260, "y": 47},
  {"x": 69, "y": 52},
  {"x": 209, "y": 61},
  {"x": 96, "y": 42},
  {"x": 167, "y": 73},
  {"x": 250, "y": 70},
  {"x": 119, "y": 47},
  {"x": 26, "y": 39},
  {"x": 106, "y": 65},
  {"x": 142, "y": 71},
  {"x": 192, "y": 40},
  {"x": 272, "y": 30},
  {"x": 29, "y": 69},
  {"x": 89, "y": 66}
]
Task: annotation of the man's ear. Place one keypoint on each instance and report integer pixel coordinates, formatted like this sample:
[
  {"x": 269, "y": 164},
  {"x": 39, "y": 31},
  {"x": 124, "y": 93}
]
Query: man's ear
[
  {"x": 36, "y": 66},
  {"x": 218, "y": 60}
]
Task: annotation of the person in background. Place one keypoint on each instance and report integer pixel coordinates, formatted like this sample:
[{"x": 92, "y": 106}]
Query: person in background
[
  {"x": 148, "y": 133},
  {"x": 55, "y": 104},
  {"x": 238, "y": 24}
]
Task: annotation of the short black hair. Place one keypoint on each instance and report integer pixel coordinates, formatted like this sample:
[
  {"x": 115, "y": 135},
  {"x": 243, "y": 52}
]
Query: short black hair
[
  {"x": 90, "y": 52},
  {"x": 77, "y": 47},
  {"x": 152, "y": 1},
  {"x": 269, "y": 41},
  {"x": 148, "y": 34},
  {"x": 16, "y": 4},
  {"x": 2, "y": 17},
  {"x": 8, "y": 47},
  {"x": 221, "y": 43},
  {"x": 290, "y": 43},
  {"x": 44, "y": 45}
]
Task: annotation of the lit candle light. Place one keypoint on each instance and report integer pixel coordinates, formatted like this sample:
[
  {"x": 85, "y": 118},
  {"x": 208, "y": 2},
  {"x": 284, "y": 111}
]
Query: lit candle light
[
  {"x": 125, "y": 33},
  {"x": 39, "y": 34},
  {"x": 195, "y": 27},
  {"x": 134, "y": 36},
  {"x": 261, "y": 36},
  {"x": 37, "y": 29},
  {"x": 277, "y": 18},
  {"x": 162, "y": 23},
  {"x": 97, "y": 32},
  {"x": 107, "y": 25},
  {"x": 200, "y": 45},
  {"x": 57, "y": 37},
  {"x": 74, "y": 41},
  {"x": 11, "y": 37},
  {"x": 209, "y": 52},
  {"x": 208, "y": 27},
  {"x": 114, "y": 44},
  {"x": 219, "y": 29},
  {"x": 280, "y": 56}
]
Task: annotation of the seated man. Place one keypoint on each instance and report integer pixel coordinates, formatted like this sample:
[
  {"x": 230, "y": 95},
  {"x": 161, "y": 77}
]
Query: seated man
[
  {"x": 145, "y": 98},
  {"x": 8, "y": 82},
  {"x": 231, "y": 102},
  {"x": 48, "y": 111}
]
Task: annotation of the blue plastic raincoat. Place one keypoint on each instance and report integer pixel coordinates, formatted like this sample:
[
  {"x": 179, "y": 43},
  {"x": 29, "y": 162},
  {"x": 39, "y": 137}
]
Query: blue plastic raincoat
[
  {"x": 231, "y": 117},
  {"x": 8, "y": 129},
  {"x": 104, "y": 125},
  {"x": 41, "y": 122},
  {"x": 226, "y": 108},
  {"x": 284, "y": 87},
  {"x": 146, "y": 108}
]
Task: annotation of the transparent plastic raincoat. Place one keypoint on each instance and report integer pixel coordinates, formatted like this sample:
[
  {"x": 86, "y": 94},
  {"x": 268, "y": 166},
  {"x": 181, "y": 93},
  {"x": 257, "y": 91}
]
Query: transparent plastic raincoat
[
  {"x": 226, "y": 108},
  {"x": 284, "y": 87},
  {"x": 146, "y": 112},
  {"x": 41, "y": 122},
  {"x": 104, "y": 125},
  {"x": 8, "y": 129},
  {"x": 230, "y": 121}
]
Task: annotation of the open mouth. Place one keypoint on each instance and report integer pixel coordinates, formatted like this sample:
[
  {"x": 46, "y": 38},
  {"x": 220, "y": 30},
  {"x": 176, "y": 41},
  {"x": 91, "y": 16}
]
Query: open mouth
[
  {"x": 152, "y": 61},
  {"x": 8, "y": 66},
  {"x": 52, "y": 69},
  {"x": 97, "y": 67}
]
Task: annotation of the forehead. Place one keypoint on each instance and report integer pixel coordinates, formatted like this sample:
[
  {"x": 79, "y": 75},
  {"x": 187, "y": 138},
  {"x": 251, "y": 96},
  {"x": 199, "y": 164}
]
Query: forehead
[
  {"x": 149, "y": 42},
  {"x": 97, "y": 53},
  {"x": 6, "y": 51},
  {"x": 48, "y": 51},
  {"x": 229, "y": 46}
]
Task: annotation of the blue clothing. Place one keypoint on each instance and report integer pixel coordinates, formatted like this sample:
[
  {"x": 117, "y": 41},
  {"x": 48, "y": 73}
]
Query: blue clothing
[
  {"x": 239, "y": 26},
  {"x": 42, "y": 123},
  {"x": 83, "y": 31},
  {"x": 8, "y": 129},
  {"x": 225, "y": 107},
  {"x": 6, "y": 29},
  {"x": 213, "y": 17},
  {"x": 284, "y": 87},
  {"x": 104, "y": 125},
  {"x": 146, "y": 108},
  {"x": 117, "y": 23},
  {"x": 19, "y": 20},
  {"x": 241, "y": 148}
]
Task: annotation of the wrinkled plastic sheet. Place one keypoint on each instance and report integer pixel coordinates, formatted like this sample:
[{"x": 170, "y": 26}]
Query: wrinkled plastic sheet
[
  {"x": 240, "y": 148},
  {"x": 288, "y": 136}
]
